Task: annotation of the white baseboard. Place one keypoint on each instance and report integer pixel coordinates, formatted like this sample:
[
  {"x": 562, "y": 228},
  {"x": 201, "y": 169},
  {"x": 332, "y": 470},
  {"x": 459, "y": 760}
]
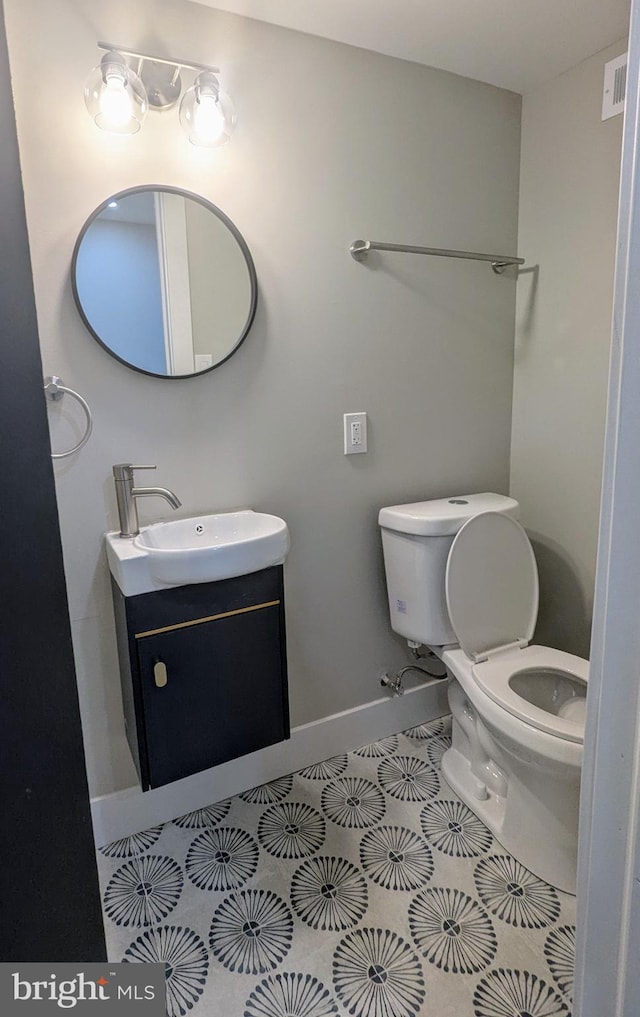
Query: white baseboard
[{"x": 125, "y": 812}]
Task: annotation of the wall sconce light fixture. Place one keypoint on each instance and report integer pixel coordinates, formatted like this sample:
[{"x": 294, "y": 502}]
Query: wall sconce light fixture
[{"x": 125, "y": 85}]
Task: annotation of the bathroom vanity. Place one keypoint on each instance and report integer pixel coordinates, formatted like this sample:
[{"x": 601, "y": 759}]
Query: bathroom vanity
[{"x": 204, "y": 673}]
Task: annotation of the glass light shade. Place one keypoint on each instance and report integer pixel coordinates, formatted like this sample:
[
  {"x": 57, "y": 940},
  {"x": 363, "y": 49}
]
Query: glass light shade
[
  {"x": 206, "y": 112},
  {"x": 115, "y": 96}
]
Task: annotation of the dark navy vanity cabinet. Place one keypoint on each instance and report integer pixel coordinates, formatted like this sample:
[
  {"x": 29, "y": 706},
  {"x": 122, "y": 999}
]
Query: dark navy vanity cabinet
[{"x": 204, "y": 673}]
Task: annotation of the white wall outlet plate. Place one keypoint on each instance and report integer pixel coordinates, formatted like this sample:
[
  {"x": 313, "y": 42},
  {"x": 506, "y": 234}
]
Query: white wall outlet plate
[
  {"x": 355, "y": 433},
  {"x": 202, "y": 361}
]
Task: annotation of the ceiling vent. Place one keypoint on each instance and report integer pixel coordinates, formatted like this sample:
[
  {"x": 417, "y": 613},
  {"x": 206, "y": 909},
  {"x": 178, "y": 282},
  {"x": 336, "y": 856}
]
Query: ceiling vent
[{"x": 615, "y": 83}]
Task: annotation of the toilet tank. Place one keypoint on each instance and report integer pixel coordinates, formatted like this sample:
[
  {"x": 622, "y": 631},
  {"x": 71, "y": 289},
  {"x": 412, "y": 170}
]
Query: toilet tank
[{"x": 416, "y": 539}]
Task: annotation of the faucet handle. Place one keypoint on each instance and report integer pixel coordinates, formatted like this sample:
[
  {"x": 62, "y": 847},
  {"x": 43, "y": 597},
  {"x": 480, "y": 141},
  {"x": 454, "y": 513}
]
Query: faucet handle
[{"x": 124, "y": 471}]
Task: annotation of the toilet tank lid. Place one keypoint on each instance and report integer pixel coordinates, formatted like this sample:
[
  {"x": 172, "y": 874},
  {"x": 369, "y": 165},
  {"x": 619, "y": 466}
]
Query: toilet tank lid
[{"x": 444, "y": 516}]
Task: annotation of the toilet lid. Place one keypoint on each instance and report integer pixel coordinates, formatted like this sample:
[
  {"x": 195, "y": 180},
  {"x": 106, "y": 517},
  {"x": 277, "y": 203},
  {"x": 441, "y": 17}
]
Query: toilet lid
[{"x": 491, "y": 585}]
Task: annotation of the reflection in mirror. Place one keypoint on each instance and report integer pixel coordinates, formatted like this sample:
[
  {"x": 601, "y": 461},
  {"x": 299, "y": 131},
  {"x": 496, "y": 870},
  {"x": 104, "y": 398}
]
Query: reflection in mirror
[{"x": 164, "y": 281}]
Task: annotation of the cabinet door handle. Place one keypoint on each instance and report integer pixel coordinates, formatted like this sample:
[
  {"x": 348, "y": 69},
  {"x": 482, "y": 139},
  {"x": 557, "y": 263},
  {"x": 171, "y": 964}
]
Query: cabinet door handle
[{"x": 160, "y": 674}]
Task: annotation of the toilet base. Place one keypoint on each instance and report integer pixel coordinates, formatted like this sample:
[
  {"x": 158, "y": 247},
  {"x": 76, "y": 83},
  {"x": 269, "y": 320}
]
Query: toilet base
[
  {"x": 456, "y": 770},
  {"x": 533, "y": 820}
]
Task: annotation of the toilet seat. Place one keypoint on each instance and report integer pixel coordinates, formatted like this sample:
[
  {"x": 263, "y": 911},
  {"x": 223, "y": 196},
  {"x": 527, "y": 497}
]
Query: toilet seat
[
  {"x": 493, "y": 676},
  {"x": 491, "y": 585}
]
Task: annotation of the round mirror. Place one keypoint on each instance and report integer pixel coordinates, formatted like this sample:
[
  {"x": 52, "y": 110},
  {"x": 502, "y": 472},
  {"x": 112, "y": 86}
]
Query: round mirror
[{"x": 164, "y": 281}]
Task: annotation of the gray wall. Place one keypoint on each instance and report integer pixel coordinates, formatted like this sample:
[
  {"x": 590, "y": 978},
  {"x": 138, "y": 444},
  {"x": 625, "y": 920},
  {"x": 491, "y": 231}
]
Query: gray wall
[
  {"x": 220, "y": 283},
  {"x": 333, "y": 144},
  {"x": 568, "y": 203}
]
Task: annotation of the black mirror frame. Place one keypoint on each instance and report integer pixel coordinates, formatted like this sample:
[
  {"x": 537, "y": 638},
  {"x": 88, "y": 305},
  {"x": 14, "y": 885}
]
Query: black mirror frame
[{"x": 233, "y": 229}]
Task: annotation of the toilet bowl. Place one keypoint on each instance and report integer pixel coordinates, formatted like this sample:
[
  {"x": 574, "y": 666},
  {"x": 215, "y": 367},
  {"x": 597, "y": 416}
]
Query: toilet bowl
[
  {"x": 520, "y": 777},
  {"x": 518, "y": 710}
]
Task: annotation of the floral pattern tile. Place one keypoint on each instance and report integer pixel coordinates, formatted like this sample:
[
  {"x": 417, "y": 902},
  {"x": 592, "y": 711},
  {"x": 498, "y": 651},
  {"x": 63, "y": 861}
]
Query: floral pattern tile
[
  {"x": 143, "y": 891},
  {"x": 136, "y": 844},
  {"x": 251, "y": 931},
  {"x": 290, "y": 995},
  {"x": 222, "y": 859},
  {"x": 291, "y": 830},
  {"x": 377, "y": 974},
  {"x": 209, "y": 816},
  {"x": 396, "y": 858},
  {"x": 559, "y": 951},
  {"x": 503, "y": 993},
  {"x": 329, "y": 893},
  {"x": 514, "y": 894},
  {"x": 451, "y": 930},
  {"x": 451, "y": 827},
  {"x": 359, "y": 886},
  {"x": 186, "y": 963},
  {"x": 326, "y": 769},
  {"x": 353, "y": 802}
]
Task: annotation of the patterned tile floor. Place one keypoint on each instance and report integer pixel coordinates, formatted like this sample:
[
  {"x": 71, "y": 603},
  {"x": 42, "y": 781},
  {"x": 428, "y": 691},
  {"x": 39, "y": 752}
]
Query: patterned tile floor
[{"x": 359, "y": 886}]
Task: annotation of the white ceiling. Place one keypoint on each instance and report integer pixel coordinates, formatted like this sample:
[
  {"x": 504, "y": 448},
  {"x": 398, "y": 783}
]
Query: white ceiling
[{"x": 515, "y": 44}]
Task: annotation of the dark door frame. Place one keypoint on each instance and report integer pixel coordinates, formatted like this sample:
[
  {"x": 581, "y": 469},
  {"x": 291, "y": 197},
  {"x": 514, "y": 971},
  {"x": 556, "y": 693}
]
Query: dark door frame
[{"x": 49, "y": 896}]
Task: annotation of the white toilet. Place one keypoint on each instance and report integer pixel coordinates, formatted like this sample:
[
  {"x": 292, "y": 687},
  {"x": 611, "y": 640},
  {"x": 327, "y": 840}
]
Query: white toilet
[{"x": 462, "y": 579}]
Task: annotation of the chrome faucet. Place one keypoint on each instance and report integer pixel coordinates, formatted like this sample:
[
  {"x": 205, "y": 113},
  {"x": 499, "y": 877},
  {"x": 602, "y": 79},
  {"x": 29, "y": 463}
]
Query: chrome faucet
[{"x": 126, "y": 495}]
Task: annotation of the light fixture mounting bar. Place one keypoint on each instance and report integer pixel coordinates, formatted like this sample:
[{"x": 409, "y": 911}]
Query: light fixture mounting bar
[{"x": 189, "y": 64}]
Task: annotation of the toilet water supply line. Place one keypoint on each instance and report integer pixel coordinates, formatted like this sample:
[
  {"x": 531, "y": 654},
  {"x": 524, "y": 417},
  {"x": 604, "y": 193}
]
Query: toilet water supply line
[{"x": 394, "y": 682}]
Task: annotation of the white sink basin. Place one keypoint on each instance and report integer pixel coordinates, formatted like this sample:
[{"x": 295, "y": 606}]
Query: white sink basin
[{"x": 197, "y": 550}]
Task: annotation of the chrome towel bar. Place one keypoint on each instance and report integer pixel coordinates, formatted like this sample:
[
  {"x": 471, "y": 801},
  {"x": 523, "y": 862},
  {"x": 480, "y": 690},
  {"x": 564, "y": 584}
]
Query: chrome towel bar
[{"x": 360, "y": 249}]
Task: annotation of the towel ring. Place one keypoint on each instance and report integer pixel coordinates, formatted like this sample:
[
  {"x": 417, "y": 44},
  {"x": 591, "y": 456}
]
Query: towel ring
[{"x": 54, "y": 389}]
